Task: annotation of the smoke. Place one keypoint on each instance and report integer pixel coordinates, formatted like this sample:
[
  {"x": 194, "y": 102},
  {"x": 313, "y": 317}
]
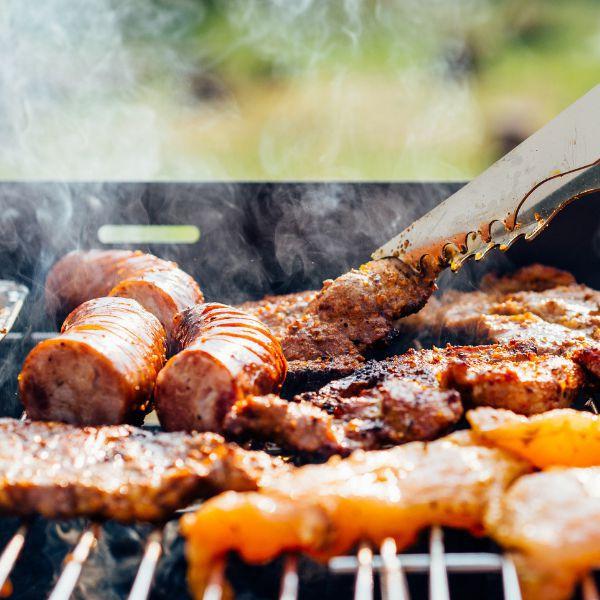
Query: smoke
[
  {"x": 73, "y": 101},
  {"x": 145, "y": 89}
]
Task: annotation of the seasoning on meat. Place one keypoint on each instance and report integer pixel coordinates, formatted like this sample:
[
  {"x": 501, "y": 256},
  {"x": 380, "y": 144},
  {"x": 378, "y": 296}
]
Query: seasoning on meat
[
  {"x": 414, "y": 396},
  {"x": 100, "y": 370},
  {"x": 324, "y": 510},
  {"x": 118, "y": 472},
  {"x": 223, "y": 355},
  {"x": 538, "y": 305},
  {"x": 345, "y": 318}
]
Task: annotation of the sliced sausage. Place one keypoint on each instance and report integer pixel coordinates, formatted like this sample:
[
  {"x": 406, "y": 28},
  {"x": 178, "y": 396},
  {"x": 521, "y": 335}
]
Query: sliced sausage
[
  {"x": 101, "y": 369},
  {"x": 157, "y": 284},
  {"x": 224, "y": 355}
]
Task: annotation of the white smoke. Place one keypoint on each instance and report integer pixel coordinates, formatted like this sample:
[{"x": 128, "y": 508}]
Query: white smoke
[{"x": 73, "y": 101}]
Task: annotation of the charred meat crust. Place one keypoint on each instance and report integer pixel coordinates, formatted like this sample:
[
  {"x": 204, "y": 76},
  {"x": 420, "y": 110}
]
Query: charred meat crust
[
  {"x": 414, "y": 396},
  {"x": 537, "y": 305},
  {"x": 100, "y": 370},
  {"x": 349, "y": 316},
  {"x": 118, "y": 472}
]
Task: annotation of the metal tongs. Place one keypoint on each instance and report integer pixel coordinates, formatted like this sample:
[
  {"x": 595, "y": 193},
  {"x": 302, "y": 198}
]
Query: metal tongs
[
  {"x": 517, "y": 196},
  {"x": 12, "y": 296}
]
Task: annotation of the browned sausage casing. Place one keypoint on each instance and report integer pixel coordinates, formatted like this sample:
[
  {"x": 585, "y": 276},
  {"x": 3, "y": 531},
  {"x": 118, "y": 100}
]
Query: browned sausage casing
[
  {"x": 225, "y": 354},
  {"x": 158, "y": 285},
  {"x": 100, "y": 370}
]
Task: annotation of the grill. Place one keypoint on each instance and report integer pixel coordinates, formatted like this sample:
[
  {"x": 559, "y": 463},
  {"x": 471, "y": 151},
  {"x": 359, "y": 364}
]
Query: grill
[{"x": 254, "y": 239}]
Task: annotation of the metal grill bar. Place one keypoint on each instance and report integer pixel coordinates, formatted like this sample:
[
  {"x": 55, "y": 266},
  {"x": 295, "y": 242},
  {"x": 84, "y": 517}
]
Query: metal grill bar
[
  {"x": 393, "y": 580},
  {"x": 10, "y": 554},
  {"x": 589, "y": 589},
  {"x": 363, "y": 588},
  {"x": 74, "y": 563},
  {"x": 289, "y": 579},
  {"x": 438, "y": 577},
  {"x": 216, "y": 580},
  {"x": 145, "y": 574},
  {"x": 510, "y": 580},
  {"x": 465, "y": 562}
]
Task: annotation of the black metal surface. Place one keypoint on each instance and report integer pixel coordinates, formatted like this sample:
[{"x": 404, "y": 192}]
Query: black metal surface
[{"x": 255, "y": 239}]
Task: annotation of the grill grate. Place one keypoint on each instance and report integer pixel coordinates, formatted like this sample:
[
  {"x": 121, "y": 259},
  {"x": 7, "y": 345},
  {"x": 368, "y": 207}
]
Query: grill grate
[{"x": 390, "y": 566}]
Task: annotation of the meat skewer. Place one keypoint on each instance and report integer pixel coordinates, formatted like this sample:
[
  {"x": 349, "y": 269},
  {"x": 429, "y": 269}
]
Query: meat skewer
[
  {"x": 101, "y": 369},
  {"x": 551, "y": 522},
  {"x": 118, "y": 472},
  {"x": 325, "y": 510},
  {"x": 158, "y": 285},
  {"x": 563, "y": 437},
  {"x": 223, "y": 355}
]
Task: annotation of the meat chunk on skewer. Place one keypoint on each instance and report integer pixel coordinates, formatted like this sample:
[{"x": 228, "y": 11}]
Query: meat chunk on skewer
[
  {"x": 561, "y": 437},
  {"x": 326, "y": 509},
  {"x": 118, "y": 472},
  {"x": 414, "y": 396},
  {"x": 158, "y": 285},
  {"x": 551, "y": 522},
  {"x": 100, "y": 370},
  {"x": 223, "y": 355}
]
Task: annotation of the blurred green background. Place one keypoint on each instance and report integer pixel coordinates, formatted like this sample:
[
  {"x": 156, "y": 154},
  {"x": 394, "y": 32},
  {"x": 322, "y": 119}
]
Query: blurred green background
[{"x": 275, "y": 89}]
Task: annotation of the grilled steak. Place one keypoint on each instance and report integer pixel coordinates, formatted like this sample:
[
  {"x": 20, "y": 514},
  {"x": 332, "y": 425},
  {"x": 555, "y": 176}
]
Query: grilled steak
[
  {"x": 223, "y": 355},
  {"x": 325, "y": 334},
  {"x": 538, "y": 305},
  {"x": 365, "y": 303},
  {"x": 158, "y": 285},
  {"x": 316, "y": 352},
  {"x": 413, "y": 396},
  {"x": 326, "y": 509},
  {"x": 551, "y": 522},
  {"x": 100, "y": 370},
  {"x": 117, "y": 472}
]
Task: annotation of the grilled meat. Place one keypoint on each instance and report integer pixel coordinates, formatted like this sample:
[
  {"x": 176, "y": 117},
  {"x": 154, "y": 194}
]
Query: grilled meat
[
  {"x": 326, "y": 509},
  {"x": 223, "y": 355},
  {"x": 533, "y": 278},
  {"x": 277, "y": 312},
  {"x": 538, "y": 305},
  {"x": 325, "y": 334},
  {"x": 158, "y": 285},
  {"x": 315, "y": 352},
  {"x": 561, "y": 437},
  {"x": 551, "y": 521},
  {"x": 513, "y": 376},
  {"x": 118, "y": 472},
  {"x": 101, "y": 369},
  {"x": 413, "y": 396},
  {"x": 365, "y": 303}
]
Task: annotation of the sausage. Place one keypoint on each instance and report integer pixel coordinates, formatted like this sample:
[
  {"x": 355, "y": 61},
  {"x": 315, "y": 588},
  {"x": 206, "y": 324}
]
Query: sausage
[
  {"x": 162, "y": 292},
  {"x": 158, "y": 285},
  {"x": 101, "y": 368},
  {"x": 224, "y": 355}
]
